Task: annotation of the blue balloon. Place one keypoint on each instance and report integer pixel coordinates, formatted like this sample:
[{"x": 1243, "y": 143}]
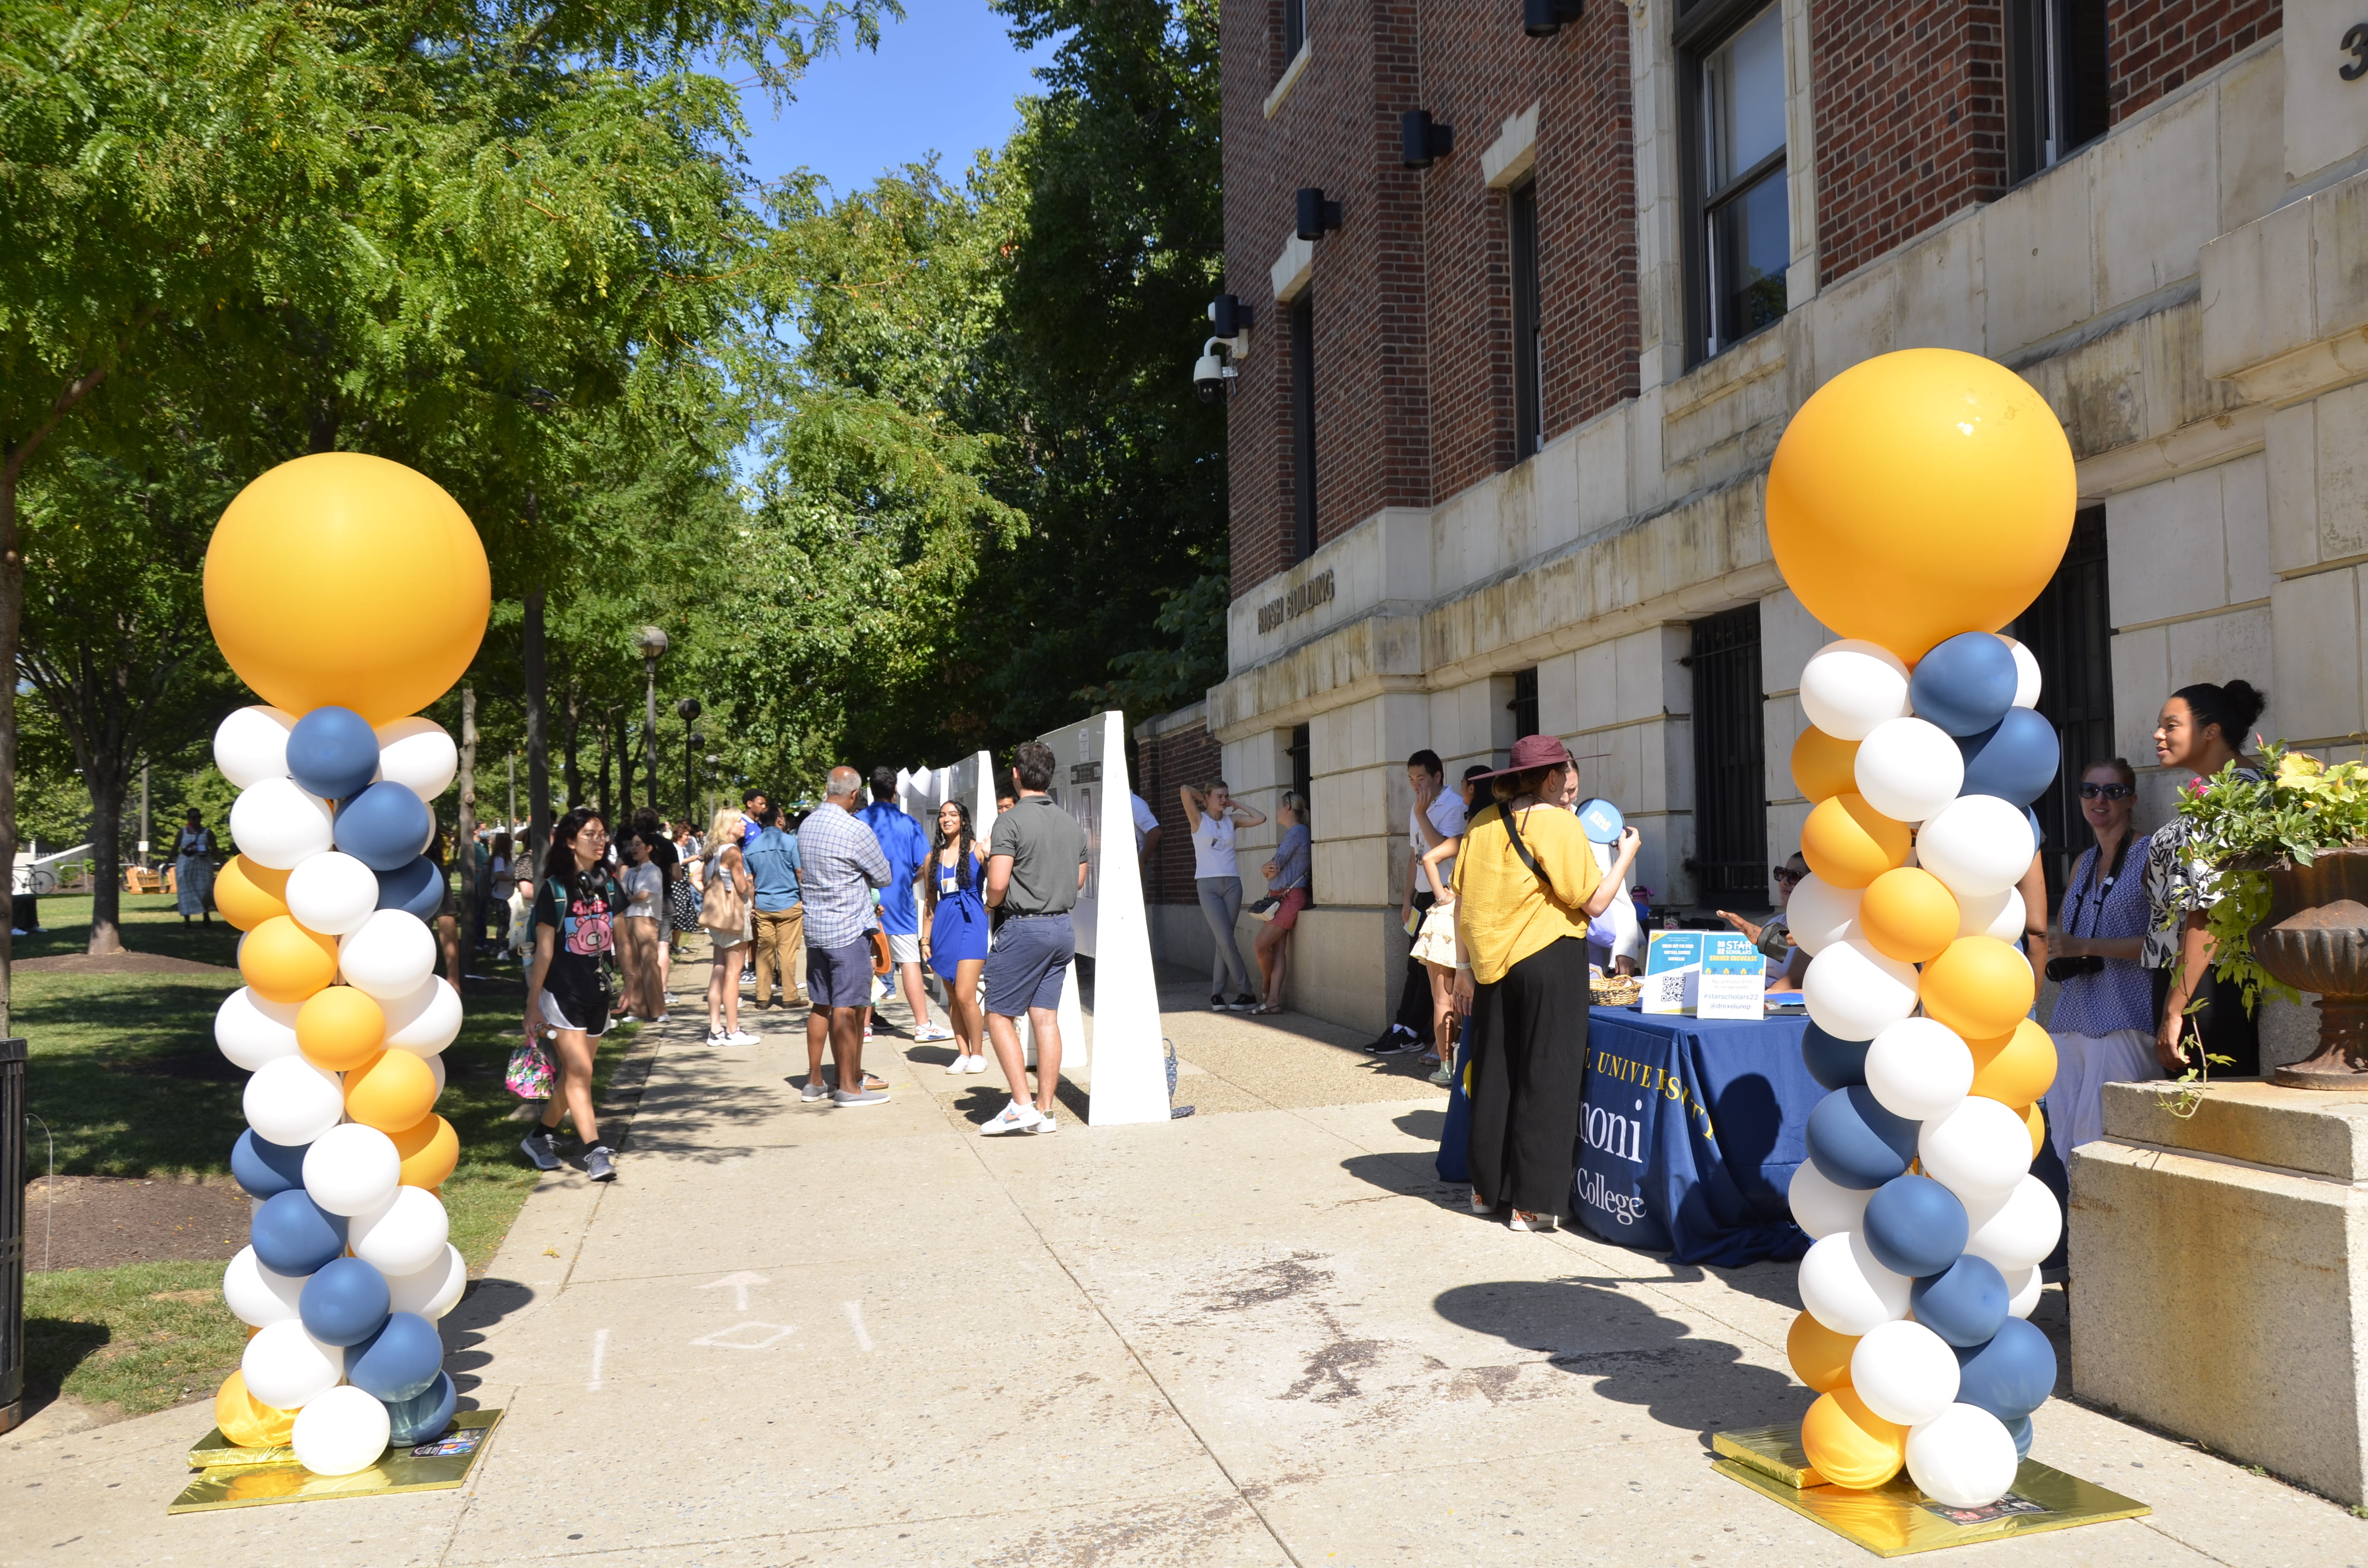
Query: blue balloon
[
  {"x": 332, "y": 753},
  {"x": 1834, "y": 1063},
  {"x": 422, "y": 1419},
  {"x": 1965, "y": 684},
  {"x": 1915, "y": 1226},
  {"x": 2020, "y": 1430},
  {"x": 384, "y": 827},
  {"x": 294, "y": 1235},
  {"x": 266, "y": 1169},
  {"x": 416, "y": 889},
  {"x": 1964, "y": 1303},
  {"x": 345, "y": 1303},
  {"x": 399, "y": 1361},
  {"x": 1854, "y": 1142},
  {"x": 2011, "y": 1375},
  {"x": 2014, "y": 760}
]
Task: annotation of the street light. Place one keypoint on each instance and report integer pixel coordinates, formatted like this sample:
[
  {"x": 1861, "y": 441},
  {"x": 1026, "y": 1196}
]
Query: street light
[
  {"x": 687, "y": 710},
  {"x": 713, "y": 761},
  {"x": 651, "y": 642}
]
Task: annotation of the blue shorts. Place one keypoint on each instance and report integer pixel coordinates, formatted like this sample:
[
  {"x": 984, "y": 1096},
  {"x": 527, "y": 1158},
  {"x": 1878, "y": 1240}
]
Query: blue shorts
[
  {"x": 1027, "y": 963},
  {"x": 840, "y": 977}
]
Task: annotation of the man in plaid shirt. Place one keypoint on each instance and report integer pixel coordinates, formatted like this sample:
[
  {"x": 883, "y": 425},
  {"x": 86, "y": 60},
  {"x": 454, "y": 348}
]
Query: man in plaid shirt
[{"x": 842, "y": 863}]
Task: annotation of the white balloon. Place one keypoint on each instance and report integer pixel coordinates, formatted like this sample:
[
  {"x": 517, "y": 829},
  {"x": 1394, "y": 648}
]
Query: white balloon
[
  {"x": 251, "y": 745},
  {"x": 1976, "y": 845},
  {"x": 343, "y": 1431},
  {"x": 1855, "y": 992},
  {"x": 436, "y": 1066},
  {"x": 1996, "y": 914},
  {"x": 2017, "y": 1231},
  {"x": 1963, "y": 1458},
  {"x": 1848, "y": 688},
  {"x": 352, "y": 1169},
  {"x": 257, "y": 1296},
  {"x": 1919, "y": 1069},
  {"x": 277, "y": 825},
  {"x": 388, "y": 956},
  {"x": 253, "y": 1030},
  {"x": 418, "y": 753},
  {"x": 431, "y": 1291},
  {"x": 1909, "y": 768},
  {"x": 291, "y": 1101},
  {"x": 402, "y": 1236},
  {"x": 1822, "y": 914},
  {"x": 427, "y": 1020},
  {"x": 2026, "y": 674},
  {"x": 332, "y": 892},
  {"x": 2022, "y": 1291},
  {"x": 288, "y": 1369},
  {"x": 1906, "y": 1372},
  {"x": 1978, "y": 1151},
  {"x": 1822, "y": 1208},
  {"x": 1846, "y": 1289}
]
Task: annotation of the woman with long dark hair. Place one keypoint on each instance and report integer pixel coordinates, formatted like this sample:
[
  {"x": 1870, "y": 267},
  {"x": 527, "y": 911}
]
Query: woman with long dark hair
[
  {"x": 954, "y": 930},
  {"x": 568, "y": 996},
  {"x": 2201, "y": 729}
]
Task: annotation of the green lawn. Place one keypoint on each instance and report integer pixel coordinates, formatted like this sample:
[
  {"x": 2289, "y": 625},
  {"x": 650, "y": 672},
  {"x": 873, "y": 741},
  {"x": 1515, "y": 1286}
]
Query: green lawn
[{"x": 125, "y": 1073}]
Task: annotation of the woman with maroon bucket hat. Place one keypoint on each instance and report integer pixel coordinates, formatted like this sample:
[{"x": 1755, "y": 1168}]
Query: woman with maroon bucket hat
[{"x": 1527, "y": 883}]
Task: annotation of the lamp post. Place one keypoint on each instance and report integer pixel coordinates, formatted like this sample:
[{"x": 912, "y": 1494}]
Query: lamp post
[
  {"x": 713, "y": 760},
  {"x": 651, "y": 642},
  {"x": 688, "y": 710}
]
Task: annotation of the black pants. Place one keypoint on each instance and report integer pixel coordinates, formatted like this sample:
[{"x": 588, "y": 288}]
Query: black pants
[
  {"x": 1529, "y": 1074},
  {"x": 2228, "y": 1028},
  {"x": 1414, "y": 998}
]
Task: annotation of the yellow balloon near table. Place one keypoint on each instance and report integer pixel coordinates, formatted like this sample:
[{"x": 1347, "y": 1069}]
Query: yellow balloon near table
[
  {"x": 1978, "y": 986},
  {"x": 1909, "y": 914},
  {"x": 1918, "y": 495},
  {"x": 248, "y": 895},
  {"x": 284, "y": 962},
  {"x": 2014, "y": 1067},
  {"x": 1848, "y": 844},
  {"x": 344, "y": 578},
  {"x": 1820, "y": 1358},
  {"x": 339, "y": 1029},
  {"x": 429, "y": 1149},
  {"x": 2038, "y": 1125},
  {"x": 391, "y": 1091},
  {"x": 246, "y": 1420},
  {"x": 1824, "y": 766},
  {"x": 1851, "y": 1445}
]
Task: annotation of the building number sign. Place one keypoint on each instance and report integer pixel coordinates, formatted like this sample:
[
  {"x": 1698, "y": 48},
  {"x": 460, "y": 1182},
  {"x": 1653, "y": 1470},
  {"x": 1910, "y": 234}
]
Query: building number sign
[{"x": 2355, "y": 41}]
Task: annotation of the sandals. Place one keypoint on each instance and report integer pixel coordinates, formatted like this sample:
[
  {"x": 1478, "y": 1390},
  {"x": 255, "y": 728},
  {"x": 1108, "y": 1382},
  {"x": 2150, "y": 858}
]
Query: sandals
[{"x": 1268, "y": 1008}]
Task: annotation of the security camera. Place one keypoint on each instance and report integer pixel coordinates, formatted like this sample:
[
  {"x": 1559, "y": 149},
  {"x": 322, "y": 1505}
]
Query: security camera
[{"x": 1210, "y": 372}]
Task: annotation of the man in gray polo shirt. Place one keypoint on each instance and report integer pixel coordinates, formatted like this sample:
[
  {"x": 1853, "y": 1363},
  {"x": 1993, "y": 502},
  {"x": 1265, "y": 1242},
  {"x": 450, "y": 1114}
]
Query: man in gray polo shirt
[{"x": 1035, "y": 868}]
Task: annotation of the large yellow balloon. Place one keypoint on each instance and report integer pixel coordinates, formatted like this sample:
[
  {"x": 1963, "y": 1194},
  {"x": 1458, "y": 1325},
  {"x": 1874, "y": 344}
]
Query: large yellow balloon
[
  {"x": 1824, "y": 766},
  {"x": 1908, "y": 914},
  {"x": 2015, "y": 1067},
  {"x": 248, "y": 895},
  {"x": 1851, "y": 1445},
  {"x": 1820, "y": 1358},
  {"x": 1919, "y": 494},
  {"x": 348, "y": 579},
  {"x": 391, "y": 1091},
  {"x": 1978, "y": 986},
  {"x": 428, "y": 1152},
  {"x": 1848, "y": 844},
  {"x": 339, "y": 1029},
  {"x": 246, "y": 1420},
  {"x": 284, "y": 962}
]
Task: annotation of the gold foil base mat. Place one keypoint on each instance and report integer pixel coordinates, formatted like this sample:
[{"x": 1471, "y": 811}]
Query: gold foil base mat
[{"x": 250, "y": 1482}]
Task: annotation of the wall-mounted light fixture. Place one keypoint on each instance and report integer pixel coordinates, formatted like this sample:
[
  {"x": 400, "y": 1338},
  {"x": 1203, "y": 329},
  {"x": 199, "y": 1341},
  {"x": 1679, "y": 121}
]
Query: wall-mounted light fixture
[
  {"x": 1317, "y": 216},
  {"x": 1228, "y": 316},
  {"x": 1543, "y": 18},
  {"x": 1423, "y": 141}
]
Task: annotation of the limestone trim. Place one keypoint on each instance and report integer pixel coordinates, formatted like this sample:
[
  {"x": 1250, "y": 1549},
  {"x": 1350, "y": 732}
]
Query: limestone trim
[
  {"x": 2211, "y": 614},
  {"x": 1291, "y": 75},
  {"x": 2122, "y": 1141},
  {"x": 1294, "y": 269},
  {"x": 2191, "y": 448},
  {"x": 2318, "y": 567},
  {"x": 1513, "y": 154},
  {"x": 2169, "y": 297}
]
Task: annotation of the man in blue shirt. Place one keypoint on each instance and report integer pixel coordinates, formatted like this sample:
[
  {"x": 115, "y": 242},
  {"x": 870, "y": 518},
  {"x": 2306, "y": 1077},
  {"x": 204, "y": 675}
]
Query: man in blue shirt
[
  {"x": 907, "y": 849},
  {"x": 772, "y": 859}
]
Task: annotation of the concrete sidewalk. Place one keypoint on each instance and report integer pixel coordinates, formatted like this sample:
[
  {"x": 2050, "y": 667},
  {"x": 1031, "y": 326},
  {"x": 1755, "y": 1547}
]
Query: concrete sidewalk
[{"x": 1265, "y": 1335}]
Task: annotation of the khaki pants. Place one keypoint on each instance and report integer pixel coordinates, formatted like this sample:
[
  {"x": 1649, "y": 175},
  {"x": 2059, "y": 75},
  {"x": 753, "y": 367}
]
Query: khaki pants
[{"x": 780, "y": 949}]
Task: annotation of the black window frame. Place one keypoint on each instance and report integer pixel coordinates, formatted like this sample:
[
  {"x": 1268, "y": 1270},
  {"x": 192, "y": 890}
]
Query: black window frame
[
  {"x": 1729, "y": 862},
  {"x": 2069, "y": 631},
  {"x": 1294, "y": 29},
  {"x": 1524, "y": 705},
  {"x": 2058, "y": 82},
  {"x": 1704, "y": 28},
  {"x": 1302, "y": 312},
  {"x": 1529, "y": 336}
]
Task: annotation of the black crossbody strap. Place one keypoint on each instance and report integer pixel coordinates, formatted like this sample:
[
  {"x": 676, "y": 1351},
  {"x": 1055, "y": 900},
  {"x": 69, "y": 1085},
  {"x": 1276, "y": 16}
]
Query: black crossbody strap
[{"x": 1513, "y": 828}]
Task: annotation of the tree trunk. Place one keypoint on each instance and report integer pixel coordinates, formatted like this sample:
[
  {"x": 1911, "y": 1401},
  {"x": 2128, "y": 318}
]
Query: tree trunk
[
  {"x": 601, "y": 783},
  {"x": 466, "y": 836},
  {"x": 12, "y": 618},
  {"x": 624, "y": 765},
  {"x": 569, "y": 766},
  {"x": 106, "y": 785},
  {"x": 538, "y": 726}
]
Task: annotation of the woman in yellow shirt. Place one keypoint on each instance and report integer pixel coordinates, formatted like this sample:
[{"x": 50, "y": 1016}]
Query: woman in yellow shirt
[{"x": 1527, "y": 883}]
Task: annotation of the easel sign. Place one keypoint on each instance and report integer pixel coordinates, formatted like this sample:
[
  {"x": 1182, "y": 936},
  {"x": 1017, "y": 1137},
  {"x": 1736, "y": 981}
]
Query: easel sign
[
  {"x": 1710, "y": 974},
  {"x": 1673, "y": 967}
]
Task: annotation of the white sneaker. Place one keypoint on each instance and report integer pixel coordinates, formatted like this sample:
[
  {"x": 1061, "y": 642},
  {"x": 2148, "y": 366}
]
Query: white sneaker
[
  {"x": 977, "y": 1064},
  {"x": 930, "y": 1034},
  {"x": 1013, "y": 1117},
  {"x": 958, "y": 1066},
  {"x": 742, "y": 1037},
  {"x": 1045, "y": 1124}
]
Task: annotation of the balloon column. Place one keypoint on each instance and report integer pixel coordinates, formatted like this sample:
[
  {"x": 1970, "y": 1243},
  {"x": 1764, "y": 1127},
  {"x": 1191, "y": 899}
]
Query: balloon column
[
  {"x": 1918, "y": 503},
  {"x": 346, "y": 591}
]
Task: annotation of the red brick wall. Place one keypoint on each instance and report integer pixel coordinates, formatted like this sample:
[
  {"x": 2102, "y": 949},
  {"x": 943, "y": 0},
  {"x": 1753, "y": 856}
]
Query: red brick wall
[
  {"x": 1190, "y": 756},
  {"x": 2157, "y": 46},
  {"x": 1911, "y": 120}
]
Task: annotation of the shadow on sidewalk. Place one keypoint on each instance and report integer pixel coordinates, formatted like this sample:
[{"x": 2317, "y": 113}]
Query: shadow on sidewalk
[{"x": 486, "y": 1303}]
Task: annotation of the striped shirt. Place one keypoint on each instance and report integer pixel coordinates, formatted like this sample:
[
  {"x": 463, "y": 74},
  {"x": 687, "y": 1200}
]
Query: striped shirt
[
  {"x": 2103, "y": 904},
  {"x": 841, "y": 864}
]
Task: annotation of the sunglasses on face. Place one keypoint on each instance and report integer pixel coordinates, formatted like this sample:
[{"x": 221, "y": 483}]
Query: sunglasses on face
[
  {"x": 2106, "y": 791},
  {"x": 1788, "y": 876}
]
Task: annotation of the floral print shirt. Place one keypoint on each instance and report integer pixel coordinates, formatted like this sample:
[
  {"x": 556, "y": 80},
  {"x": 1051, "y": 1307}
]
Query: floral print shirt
[{"x": 2180, "y": 880}]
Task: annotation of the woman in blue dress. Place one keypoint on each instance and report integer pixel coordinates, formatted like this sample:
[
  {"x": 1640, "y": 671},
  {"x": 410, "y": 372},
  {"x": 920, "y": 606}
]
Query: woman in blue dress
[{"x": 954, "y": 933}]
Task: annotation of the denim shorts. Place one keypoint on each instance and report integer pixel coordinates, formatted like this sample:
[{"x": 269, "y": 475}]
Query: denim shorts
[
  {"x": 840, "y": 977},
  {"x": 1028, "y": 962}
]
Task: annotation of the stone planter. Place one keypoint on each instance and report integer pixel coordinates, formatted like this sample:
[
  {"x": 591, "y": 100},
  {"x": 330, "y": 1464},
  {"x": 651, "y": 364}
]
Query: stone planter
[{"x": 2315, "y": 938}]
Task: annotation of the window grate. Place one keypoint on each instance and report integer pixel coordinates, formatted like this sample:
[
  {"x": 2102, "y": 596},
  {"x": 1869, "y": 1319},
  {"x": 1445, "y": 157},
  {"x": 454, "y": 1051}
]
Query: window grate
[
  {"x": 1730, "y": 858},
  {"x": 2069, "y": 629},
  {"x": 1524, "y": 706}
]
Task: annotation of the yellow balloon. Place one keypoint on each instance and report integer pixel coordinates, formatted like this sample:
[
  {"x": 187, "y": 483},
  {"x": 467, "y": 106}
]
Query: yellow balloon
[
  {"x": 246, "y": 1420},
  {"x": 429, "y": 1151},
  {"x": 391, "y": 1091},
  {"x": 1820, "y": 1358},
  {"x": 1979, "y": 986},
  {"x": 344, "y": 578},
  {"x": 1824, "y": 766},
  {"x": 2014, "y": 1067},
  {"x": 1908, "y": 914},
  {"x": 1918, "y": 495},
  {"x": 1848, "y": 844},
  {"x": 248, "y": 895},
  {"x": 2038, "y": 1125},
  {"x": 1851, "y": 1445},
  {"x": 339, "y": 1029},
  {"x": 284, "y": 962}
]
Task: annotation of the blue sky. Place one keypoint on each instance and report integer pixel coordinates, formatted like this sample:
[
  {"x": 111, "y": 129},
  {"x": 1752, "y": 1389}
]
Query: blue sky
[{"x": 943, "y": 80}]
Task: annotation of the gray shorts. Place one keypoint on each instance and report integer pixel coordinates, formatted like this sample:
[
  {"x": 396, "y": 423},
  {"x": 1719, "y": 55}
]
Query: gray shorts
[
  {"x": 840, "y": 977},
  {"x": 1028, "y": 962}
]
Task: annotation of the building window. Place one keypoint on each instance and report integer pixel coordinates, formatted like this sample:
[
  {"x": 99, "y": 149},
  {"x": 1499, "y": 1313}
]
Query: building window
[
  {"x": 1294, "y": 28},
  {"x": 1529, "y": 351},
  {"x": 1303, "y": 777},
  {"x": 1524, "y": 706},
  {"x": 2056, "y": 82},
  {"x": 1741, "y": 241},
  {"x": 1302, "y": 425},
  {"x": 1730, "y": 858},
  {"x": 2068, "y": 629}
]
